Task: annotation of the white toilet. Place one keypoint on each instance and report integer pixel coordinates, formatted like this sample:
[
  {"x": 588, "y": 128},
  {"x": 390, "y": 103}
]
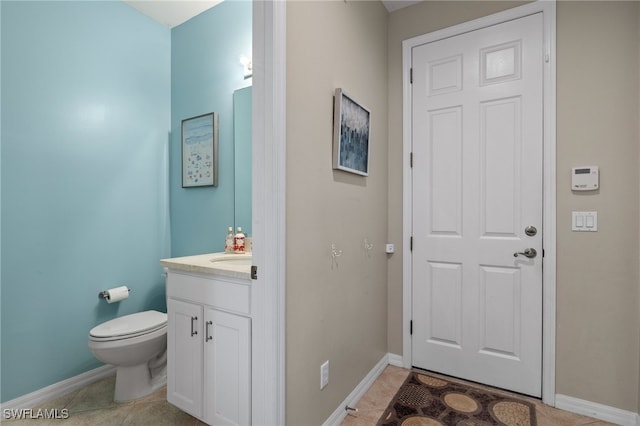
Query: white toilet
[{"x": 137, "y": 345}]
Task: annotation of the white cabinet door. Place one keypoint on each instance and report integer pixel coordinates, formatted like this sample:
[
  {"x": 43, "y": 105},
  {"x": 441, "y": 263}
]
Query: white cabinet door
[
  {"x": 227, "y": 368},
  {"x": 184, "y": 356}
]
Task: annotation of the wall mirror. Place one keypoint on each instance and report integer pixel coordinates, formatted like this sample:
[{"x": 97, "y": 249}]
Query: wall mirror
[{"x": 242, "y": 157}]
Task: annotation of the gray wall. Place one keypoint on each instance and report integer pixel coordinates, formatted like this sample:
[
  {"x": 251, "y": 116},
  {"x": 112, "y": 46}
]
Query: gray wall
[
  {"x": 597, "y": 275},
  {"x": 597, "y": 124},
  {"x": 352, "y": 315},
  {"x": 337, "y": 314}
]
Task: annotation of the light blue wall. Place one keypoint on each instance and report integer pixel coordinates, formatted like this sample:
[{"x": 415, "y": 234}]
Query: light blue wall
[
  {"x": 205, "y": 71},
  {"x": 242, "y": 126},
  {"x": 0, "y": 203},
  {"x": 85, "y": 130}
]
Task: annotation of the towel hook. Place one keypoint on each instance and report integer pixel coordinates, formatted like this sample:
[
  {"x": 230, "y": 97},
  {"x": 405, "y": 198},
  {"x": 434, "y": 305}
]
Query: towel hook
[
  {"x": 367, "y": 245},
  {"x": 335, "y": 254}
]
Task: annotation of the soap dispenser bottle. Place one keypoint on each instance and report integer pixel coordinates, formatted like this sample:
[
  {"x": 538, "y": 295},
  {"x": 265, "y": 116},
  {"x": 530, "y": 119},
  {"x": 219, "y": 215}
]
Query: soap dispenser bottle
[
  {"x": 238, "y": 246},
  {"x": 229, "y": 242}
]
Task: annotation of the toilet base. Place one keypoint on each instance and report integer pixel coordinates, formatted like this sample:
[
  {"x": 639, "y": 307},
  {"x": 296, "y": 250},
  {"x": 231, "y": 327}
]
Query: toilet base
[{"x": 133, "y": 382}]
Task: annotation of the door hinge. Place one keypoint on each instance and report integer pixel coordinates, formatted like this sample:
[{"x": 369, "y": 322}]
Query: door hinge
[
  {"x": 411, "y": 243},
  {"x": 254, "y": 272},
  {"x": 411, "y": 160},
  {"x": 411, "y": 327},
  {"x": 410, "y": 75}
]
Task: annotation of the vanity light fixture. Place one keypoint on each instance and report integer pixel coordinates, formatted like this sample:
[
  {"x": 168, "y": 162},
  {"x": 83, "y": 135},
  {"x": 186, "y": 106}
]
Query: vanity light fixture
[{"x": 248, "y": 66}]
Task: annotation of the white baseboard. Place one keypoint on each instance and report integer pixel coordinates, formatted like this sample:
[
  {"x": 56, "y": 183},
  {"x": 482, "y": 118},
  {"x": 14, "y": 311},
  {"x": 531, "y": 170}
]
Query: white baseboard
[
  {"x": 563, "y": 402},
  {"x": 396, "y": 360},
  {"x": 598, "y": 411},
  {"x": 33, "y": 399},
  {"x": 340, "y": 413}
]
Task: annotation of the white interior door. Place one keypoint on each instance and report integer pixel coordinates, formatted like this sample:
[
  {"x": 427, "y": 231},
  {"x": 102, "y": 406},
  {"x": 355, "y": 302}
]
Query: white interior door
[{"x": 477, "y": 139}]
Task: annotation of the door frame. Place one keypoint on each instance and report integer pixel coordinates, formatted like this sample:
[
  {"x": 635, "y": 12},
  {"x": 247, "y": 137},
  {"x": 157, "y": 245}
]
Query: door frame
[
  {"x": 548, "y": 10},
  {"x": 268, "y": 383}
]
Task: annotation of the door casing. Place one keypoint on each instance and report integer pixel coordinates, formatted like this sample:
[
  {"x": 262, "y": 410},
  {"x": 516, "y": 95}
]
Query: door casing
[
  {"x": 268, "y": 395},
  {"x": 548, "y": 9}
]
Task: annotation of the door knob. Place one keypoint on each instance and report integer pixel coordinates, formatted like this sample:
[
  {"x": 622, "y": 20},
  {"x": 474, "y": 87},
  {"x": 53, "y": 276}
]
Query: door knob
[{"x": 530, "y": 253}]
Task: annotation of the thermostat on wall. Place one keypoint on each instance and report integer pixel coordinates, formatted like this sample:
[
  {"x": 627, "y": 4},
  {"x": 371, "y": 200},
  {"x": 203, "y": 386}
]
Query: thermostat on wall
[{"x": 584, "y": 178}]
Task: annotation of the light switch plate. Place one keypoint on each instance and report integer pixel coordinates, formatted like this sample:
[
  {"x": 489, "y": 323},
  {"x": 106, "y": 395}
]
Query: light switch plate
[{"x": 584, "y": 221}]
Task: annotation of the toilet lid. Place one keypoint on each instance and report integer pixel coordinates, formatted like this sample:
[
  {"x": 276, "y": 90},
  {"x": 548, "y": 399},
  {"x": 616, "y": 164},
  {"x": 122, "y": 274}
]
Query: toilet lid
[{"x": 130, "y": 324}]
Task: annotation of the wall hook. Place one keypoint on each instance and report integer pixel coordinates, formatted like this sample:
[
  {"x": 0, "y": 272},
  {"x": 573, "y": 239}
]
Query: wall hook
[
  {"x": 367, "y": 247},
  {"x": 335, "y": 254}
]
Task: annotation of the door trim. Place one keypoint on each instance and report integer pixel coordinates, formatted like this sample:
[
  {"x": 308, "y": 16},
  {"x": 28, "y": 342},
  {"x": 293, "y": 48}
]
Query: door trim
[
  {"x": 268, "y": 396},
  {"x": 548, "y": 9}
]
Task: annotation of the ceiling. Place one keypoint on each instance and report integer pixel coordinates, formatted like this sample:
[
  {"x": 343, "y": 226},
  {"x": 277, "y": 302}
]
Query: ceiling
[
  {"x": 393, "y": 5},
  {"x": 172, "y": 12},
  {"x": 175, "y": 12}
]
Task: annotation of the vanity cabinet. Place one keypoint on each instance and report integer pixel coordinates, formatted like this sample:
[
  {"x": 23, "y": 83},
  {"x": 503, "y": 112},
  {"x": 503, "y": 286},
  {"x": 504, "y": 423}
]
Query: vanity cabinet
[
  {"x": 209, "y": 347},
  {"x": 185, "y": 355}
]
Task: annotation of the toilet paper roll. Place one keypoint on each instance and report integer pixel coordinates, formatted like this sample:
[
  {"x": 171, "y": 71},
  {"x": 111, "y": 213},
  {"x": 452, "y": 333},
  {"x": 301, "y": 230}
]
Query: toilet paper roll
[{"x": 117, "y": 294}]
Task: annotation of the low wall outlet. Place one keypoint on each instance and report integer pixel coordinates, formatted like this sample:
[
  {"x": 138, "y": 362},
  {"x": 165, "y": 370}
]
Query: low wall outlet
[
  {"x": 324, "y": 375},
  {"x": 390, "y": 248}
]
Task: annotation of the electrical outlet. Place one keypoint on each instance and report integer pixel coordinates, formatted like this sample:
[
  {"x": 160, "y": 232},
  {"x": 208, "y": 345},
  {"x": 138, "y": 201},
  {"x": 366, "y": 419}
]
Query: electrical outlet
[{"x": 324, "y": 375}]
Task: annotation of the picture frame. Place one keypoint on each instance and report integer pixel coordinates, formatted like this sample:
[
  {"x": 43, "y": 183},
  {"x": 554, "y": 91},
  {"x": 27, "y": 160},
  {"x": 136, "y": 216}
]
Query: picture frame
[
  {"x": 351, "y": 134},
  {"x": 200, "y": 151}
]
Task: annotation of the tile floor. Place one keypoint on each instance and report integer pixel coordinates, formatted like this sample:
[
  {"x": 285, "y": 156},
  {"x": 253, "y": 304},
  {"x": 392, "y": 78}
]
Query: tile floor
[
  {"x": 372, "y": 405},
  {"x": 93, "y": 406}
]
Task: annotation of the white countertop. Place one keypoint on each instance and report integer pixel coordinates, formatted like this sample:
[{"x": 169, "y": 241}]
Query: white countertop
[{"x": 226, "y": 264}]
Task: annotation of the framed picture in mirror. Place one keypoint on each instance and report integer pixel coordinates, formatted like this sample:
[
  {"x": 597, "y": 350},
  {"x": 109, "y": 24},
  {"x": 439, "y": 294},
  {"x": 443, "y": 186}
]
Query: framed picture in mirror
[
  {"x": 200, "y": 151},
  {"x": 351, "y": 123}
]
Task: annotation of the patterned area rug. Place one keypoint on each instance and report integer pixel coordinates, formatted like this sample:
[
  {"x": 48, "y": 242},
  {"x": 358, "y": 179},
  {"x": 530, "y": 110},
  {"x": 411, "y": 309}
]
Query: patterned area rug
[{"x": 424, "y": 400}]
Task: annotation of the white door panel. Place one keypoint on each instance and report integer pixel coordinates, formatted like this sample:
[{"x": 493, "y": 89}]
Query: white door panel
[{"x": 477, "y": 184}]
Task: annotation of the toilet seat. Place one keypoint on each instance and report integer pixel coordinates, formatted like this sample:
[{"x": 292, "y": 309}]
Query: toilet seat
[{"x": 129, "y": 326}]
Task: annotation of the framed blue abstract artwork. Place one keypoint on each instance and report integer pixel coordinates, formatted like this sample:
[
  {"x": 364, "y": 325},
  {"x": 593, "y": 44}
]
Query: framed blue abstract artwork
[{"x": 351, "y": 123}]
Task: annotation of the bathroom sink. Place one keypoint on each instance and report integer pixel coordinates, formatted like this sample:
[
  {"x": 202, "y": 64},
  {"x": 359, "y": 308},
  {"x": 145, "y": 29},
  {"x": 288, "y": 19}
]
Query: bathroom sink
[
  {"x": 228, "y": 264},
  {"x": 232, "y": 259}
]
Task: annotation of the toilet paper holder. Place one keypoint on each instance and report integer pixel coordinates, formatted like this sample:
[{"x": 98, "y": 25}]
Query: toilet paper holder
[{"x": 104, "y": 294}]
